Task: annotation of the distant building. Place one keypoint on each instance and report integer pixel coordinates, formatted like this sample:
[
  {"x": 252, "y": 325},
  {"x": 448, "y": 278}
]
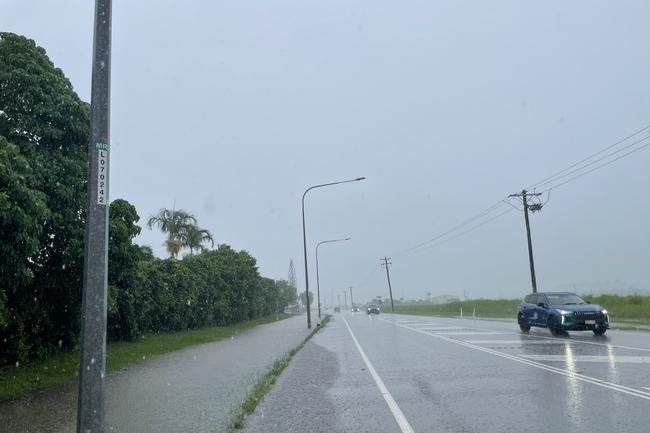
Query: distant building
[{"x": 444, "y": 299}]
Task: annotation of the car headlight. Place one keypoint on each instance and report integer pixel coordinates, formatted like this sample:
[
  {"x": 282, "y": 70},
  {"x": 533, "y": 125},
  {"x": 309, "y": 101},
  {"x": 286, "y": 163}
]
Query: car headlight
[
  {"x": 604, "y": 311},
  {"x": 563, "y": 311}
]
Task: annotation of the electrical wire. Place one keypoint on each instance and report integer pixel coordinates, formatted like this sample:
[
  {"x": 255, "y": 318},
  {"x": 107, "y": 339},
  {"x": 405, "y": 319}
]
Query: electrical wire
[
  {"x": 596, "y": 168},
  {"x": 605, "y": 149},
  {"x": 499, "y": 215},
  {"x": 453, "y": 229},
  {"x": 595, "y": 161}
]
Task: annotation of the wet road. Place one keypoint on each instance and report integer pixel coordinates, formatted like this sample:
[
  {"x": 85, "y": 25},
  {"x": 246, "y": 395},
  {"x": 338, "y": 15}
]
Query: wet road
[
  {"x": 399, "y": 373},
  {"x": 195, "y": 389}
]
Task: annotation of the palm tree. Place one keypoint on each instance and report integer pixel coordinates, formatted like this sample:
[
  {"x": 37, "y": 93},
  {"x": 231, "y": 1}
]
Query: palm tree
[
  {"x": 194, "y": 237},
  {"x": 174, "y": 223}
]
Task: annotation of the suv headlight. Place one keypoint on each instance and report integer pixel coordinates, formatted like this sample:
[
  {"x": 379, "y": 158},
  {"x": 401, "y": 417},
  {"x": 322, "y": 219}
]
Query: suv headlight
[
  {"x": 563, "y": 312},
  {"x": 604, "y": 311}
]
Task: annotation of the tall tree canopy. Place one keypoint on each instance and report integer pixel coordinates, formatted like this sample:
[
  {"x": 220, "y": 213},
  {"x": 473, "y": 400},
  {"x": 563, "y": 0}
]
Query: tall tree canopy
[{"x": 44, "y": 130}]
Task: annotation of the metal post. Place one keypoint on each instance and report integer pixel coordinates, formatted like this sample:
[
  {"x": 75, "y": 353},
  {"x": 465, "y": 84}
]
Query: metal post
[
  {"x": 90, "y": 407},
  {"x": 317, "y": 276},
  {"x": 351, "y": 301},
  {"x": 304, "y": 244},
  {"x": 317, "y": 282},
  {"x": 533, "y": 278},
  {"x": 339, "y": 301},
  {"x": 346, "y": 299}
]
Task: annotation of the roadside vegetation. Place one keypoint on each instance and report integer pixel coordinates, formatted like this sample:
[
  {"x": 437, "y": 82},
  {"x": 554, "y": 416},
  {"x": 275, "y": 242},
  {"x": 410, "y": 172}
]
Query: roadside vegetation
[
  {"x": 64, "y": 366},
  {"x": 266, "y": 381},
  {"x": 44, "y": 134},
  {"x": 632, "y": 308}
]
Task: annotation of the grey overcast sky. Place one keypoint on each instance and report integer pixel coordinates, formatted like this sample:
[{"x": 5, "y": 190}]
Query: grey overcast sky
[{"x": 230, "y": 109}]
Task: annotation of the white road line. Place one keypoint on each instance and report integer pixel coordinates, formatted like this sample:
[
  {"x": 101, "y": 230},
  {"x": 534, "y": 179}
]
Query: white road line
[
  {"x": 568, "y": 340},
  {"x": 469, "y": 333},
  {"x": 390, "y": 401},
  {"x": 438, "y": 328},
  {"x": 514, "y": 342},
  {"x": 590, "y": 358},
  {"x": 567, "y": 373}
]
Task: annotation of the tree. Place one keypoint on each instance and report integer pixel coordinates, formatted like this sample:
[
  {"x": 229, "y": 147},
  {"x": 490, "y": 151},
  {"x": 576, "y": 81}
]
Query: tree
[
  {"x": 123, "y": 264},
  {"x": 42, "y": 115},
  {"x": 22, "y": 211},
  {"x": 194, "y": 237},
  {"x": 304, "y": 301},
  {"x": 174, "y": 223},
  {"x": 287, "y": 294}
]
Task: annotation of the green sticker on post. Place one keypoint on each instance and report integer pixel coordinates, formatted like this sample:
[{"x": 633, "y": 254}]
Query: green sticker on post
[{"x": 100, "y": 145}]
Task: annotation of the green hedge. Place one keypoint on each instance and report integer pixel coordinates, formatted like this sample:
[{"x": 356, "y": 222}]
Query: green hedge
[{"x": 44, "y": 133}]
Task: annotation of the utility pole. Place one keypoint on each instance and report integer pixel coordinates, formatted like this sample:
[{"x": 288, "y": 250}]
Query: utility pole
[
  {"x": 535, "y": 207},
  {"x": 339, "y": 301},
  {"x": 385, "y": 263},
  {"x": 346, "y": 299},
  {"x": 90, "y": 405},
  {"x": 351, "y": 301}
]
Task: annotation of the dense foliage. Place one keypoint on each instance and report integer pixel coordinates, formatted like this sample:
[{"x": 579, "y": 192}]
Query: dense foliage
[{"x": 44, "y": 130}]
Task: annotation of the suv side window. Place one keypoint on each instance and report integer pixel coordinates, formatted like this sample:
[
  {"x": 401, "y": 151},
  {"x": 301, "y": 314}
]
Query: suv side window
[
  {"x": 542, "y": 298},
  {"x": 532, "y": 299},
  {"x": 528, "y": 299}
]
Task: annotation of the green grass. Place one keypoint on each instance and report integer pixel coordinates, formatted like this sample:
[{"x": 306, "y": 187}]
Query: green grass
[
  {"x": 484, "y": 308},
  {"x": 266, "y": 381},
  {"x": 64, "y": 366},
  {"x": 633, "y": 309}
]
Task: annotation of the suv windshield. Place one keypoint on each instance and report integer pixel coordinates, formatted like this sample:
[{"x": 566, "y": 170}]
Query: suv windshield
[{"x": 564, "y": 299}]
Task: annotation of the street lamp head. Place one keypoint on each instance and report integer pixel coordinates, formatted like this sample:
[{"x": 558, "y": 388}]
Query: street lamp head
[
  {"x": 347, "y": 239},
  {"x": 360, "y": 178}
]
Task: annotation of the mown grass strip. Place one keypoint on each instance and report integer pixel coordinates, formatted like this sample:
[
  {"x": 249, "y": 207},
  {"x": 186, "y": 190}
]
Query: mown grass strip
[
  {"x": 64, "y": 366},
  {"x": 266, "y": 381}
]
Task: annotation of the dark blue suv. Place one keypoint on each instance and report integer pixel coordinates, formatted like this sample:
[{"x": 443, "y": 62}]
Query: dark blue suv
[{"x": 560, "y": 312}]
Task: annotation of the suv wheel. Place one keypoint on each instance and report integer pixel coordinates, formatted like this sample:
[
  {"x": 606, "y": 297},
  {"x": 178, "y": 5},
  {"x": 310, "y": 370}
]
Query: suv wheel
[
  {"x": 599, "y": 331},
  {"x": 551, "y": 324},
  {"x": 523, "y": 324}
]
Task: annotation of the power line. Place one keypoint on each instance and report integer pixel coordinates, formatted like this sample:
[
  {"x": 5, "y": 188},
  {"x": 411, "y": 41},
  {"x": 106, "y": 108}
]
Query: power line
[
  {"x": 596, "y": 168},
  {"x": 595, "y": 161},
  {"x": 589, "y": 157},
  {"x": 568, "y": 171},
  {"x": 453, "y": 229},
  {"x": 499, "y": 215}
]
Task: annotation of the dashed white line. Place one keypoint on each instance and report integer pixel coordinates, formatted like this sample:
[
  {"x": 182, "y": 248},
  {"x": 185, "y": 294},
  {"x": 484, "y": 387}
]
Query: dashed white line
[
  {"x": 515, "y": 342},
  {"x": 590, "y": 358},
  {"x": 390, "y": 401}
]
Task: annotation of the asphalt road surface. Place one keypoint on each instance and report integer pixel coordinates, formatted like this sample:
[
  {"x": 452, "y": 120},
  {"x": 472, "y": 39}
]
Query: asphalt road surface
[{"x": 399, "y": 373}]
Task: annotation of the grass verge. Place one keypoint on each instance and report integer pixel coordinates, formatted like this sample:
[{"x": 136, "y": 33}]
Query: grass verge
[
  {"x": 64, "y": 366},
  {"x": 266, "y": 382}
]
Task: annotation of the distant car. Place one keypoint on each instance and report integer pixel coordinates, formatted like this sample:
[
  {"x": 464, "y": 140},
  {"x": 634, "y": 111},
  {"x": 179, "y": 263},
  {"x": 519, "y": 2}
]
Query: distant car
[
  {"x": 373, "y": 309},
  {"x": 355, "y": 309},
  {"x": 337, "y": 309},
  {"x": 560, "y": 312}
]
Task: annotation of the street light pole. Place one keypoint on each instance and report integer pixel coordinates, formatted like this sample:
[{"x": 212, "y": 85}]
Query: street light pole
[
  {"x": 304, "y": 238},
  {"x": 351, "y": 301},
  {"x": 317, "y": 276}
]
